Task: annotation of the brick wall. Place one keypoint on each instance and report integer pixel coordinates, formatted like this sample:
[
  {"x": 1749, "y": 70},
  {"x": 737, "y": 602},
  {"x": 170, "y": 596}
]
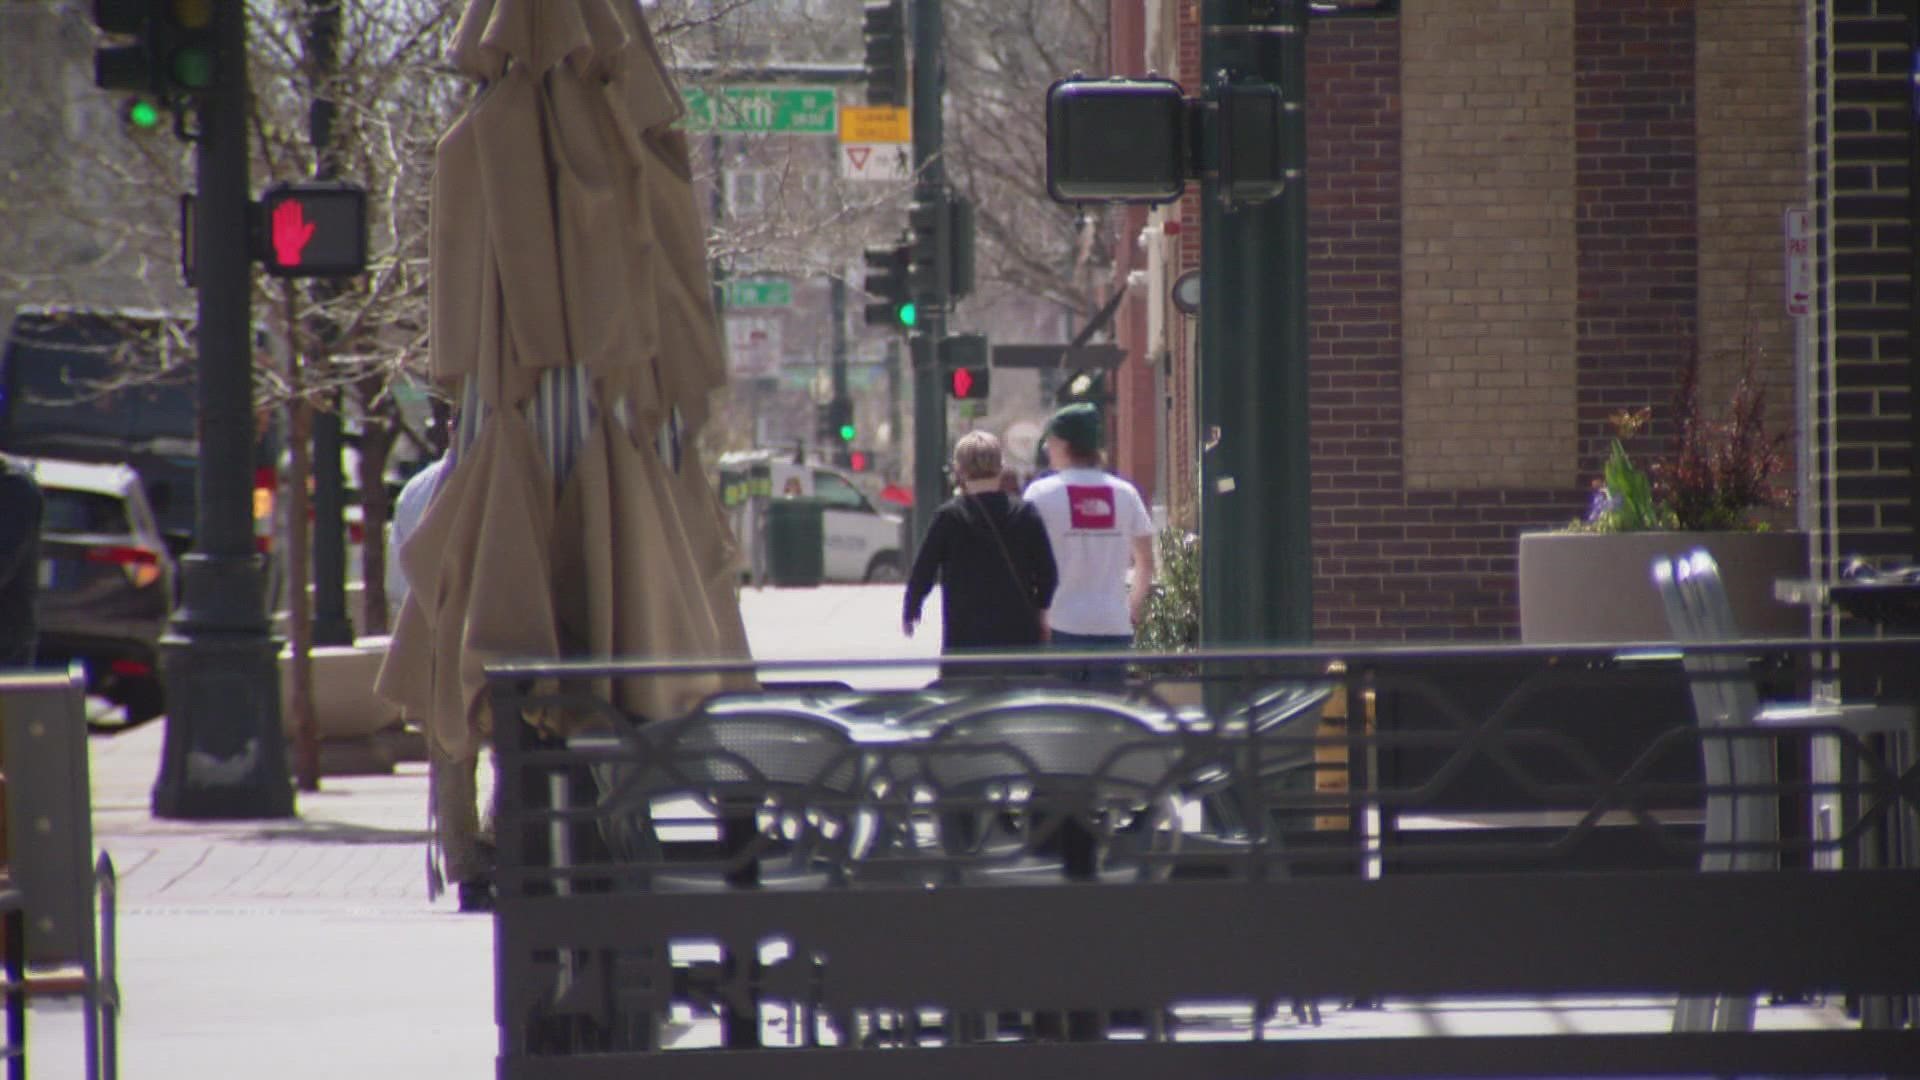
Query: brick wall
[
  {"x": 1872, "y": 279},
  {"x": 1525, "y": 216},
  {"x": 1751, "y": 63}
]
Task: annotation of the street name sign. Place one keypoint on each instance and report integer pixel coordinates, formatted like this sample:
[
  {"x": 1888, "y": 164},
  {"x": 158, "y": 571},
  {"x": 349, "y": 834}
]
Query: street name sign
[
  {"x": 762, "y": 110},
  {"x": 759, "y": 293}
]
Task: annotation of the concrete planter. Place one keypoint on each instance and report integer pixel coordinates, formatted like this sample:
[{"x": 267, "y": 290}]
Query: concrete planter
[{"x": 1598, "y": 587}]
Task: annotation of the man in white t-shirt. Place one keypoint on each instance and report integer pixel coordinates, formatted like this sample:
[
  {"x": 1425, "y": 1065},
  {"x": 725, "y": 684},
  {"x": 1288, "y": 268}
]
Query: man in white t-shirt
[{"x": 1099, "y": 528}]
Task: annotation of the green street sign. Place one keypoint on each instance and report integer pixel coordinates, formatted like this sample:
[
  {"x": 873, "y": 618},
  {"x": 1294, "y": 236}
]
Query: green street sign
[
  {"x": 759, "y": 293},
  {"x": 750, "y": 110}
]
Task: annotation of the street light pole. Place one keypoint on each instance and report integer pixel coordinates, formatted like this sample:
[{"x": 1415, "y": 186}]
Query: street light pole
[
  {"x": 223, "y": 755},
  {"x": 930, "y": 297},
  {"x": 1256, "y": 544}
]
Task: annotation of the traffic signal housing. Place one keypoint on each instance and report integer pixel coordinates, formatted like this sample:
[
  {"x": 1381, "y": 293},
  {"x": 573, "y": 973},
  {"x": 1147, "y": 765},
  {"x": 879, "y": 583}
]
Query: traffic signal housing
[
  {"x": 836, "y": 422},
  {"x": 887, "y": 284},
  {"x": 313, "y": 229},
  {"x": 884, "y": 25},
  {"x": 165, "y": 48},
  {"x": 964, "y": 367}
]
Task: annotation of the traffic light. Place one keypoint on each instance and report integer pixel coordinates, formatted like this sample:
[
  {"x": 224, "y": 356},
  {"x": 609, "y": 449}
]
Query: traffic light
[
  {"x": 963, "y": 363},
  {"x": 884, "y": 25},
  {"x": 886, "y": 282},
  {"x": 959, "y": 247},
  {"x": 859, "y": 461},
  {"x": 836, "y": 421},
  {"x": 313, "y": 229},
  {"x": 927, "y": 221},
  {"x": 1119, "y": 140},
  {"x": 170, "y": 52}
]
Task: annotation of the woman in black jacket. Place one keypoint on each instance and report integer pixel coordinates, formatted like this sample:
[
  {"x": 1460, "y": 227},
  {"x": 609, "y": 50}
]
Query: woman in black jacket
[{"x": 992, "y": 558}]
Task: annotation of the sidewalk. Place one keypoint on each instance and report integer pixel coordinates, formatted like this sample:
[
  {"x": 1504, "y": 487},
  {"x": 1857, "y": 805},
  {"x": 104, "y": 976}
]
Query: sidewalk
[{"x": 307, "y": 948}]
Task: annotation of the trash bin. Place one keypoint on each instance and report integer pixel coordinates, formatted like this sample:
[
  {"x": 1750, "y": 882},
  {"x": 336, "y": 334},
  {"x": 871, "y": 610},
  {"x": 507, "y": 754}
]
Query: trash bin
[{"x": 796, "y": 541}]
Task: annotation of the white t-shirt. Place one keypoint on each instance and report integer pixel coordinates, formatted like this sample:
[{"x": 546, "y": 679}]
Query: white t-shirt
[
  {"x": 1092, "y": 519},
  {"x": 408, "y": 509}
]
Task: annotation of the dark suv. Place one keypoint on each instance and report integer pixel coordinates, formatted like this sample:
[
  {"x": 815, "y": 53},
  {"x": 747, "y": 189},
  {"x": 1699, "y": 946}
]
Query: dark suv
[{"x": 106, "y": 580}]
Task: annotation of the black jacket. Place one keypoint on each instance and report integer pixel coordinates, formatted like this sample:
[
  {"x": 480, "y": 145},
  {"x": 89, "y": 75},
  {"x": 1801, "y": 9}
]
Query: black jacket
[
  {"x": 19, "y": 564},
  {"x": 981, "y": 605}
]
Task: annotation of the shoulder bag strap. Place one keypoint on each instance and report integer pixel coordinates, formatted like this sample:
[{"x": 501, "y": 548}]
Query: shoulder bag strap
[{"x": 1019, "y": 579}]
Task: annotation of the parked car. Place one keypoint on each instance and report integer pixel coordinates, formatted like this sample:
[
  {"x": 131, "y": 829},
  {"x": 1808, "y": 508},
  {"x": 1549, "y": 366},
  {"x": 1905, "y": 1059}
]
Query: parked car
[{"x": 106, "y": 580}]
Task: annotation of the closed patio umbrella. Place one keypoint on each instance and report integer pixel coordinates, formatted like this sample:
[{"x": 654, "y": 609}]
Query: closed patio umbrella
[{"x": 571, "y": 313}]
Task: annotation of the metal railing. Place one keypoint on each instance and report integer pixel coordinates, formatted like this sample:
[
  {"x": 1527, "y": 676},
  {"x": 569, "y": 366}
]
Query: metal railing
[
  {"x": 1019, "y": 874},
  {"x": 66, "y": 895}
]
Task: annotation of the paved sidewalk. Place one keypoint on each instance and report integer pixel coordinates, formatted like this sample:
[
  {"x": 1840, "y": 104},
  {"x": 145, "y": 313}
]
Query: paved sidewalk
[{"x": 307, "y": 948}]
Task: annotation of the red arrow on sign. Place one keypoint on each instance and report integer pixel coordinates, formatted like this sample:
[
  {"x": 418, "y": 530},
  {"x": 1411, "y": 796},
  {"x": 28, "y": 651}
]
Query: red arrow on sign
[{"x": 858, "y": 156}]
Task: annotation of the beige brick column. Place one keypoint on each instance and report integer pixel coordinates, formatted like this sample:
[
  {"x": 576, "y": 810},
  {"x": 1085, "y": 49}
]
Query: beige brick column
[
  {"x": 1489, "y": 243},
  {"x": 1751, "y": 78}
]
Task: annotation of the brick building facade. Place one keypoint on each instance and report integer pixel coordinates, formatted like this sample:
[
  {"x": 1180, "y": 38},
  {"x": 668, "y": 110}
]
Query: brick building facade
[{"x": 1525, "y": 217}]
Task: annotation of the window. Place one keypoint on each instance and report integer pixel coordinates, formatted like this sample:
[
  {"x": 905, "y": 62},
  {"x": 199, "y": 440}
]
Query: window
[
  {"x": 67, "y": 511},
  {"x": 835, "y": 492}
]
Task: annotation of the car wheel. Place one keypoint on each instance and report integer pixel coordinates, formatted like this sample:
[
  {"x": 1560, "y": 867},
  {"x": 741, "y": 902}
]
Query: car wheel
[{"x": 885, "y": 569}]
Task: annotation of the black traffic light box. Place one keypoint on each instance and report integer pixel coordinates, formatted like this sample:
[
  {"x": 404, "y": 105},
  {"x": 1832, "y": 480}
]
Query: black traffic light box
[
  {"x": 836, "y": 422},
  {"x": 1141, "y": 140},
  {"x": 964, "y": 366},
  {"x": 942, "y": 230},
  {"x": 166, "y": 47},
  {"x": 312, "y": 229},
  {"x": 884, "y": 25},
  {"x": 927, "y": 222},
  {"x": 887, "y": 284}
]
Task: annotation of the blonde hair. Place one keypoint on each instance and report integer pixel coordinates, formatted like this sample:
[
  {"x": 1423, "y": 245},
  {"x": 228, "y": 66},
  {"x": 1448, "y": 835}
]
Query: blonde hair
[{"x": 977, "y": 456}]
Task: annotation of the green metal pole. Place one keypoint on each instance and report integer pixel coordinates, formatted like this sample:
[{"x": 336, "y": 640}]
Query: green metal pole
[
  {"x": 1256, "y": 550},
  {"x": 929, "y": 398},
  {"x": 224, "y": 756}
]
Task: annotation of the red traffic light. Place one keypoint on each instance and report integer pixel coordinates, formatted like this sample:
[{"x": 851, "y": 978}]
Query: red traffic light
[
  {"x": 857, "y": 461},
  {"x": 313, "y": 229}
]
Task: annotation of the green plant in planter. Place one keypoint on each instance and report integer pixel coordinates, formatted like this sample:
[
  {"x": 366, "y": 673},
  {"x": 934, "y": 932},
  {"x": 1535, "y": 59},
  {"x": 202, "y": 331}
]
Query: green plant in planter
[
  {"x": 1171, "y": 622},
  {"x": 1720, "y": 473}
]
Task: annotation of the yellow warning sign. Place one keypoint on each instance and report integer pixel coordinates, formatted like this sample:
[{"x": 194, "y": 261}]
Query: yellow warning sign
[{"x": 875, "y": 124}]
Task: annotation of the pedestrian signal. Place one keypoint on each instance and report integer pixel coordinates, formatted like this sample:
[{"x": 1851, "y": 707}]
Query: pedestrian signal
[{"x": 313, "y": 229}]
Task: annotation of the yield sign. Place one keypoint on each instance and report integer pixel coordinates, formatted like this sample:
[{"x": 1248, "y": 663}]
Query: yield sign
[{"x": 876, "y": 161}]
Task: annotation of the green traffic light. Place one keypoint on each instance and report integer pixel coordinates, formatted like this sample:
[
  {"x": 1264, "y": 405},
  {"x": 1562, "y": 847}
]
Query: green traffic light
[
  {"x": 909, "y": 315},
  {"x": 193, "y": 68},
  {"x": 143, "y": 114},
  {"x": 847, "y": 433}
]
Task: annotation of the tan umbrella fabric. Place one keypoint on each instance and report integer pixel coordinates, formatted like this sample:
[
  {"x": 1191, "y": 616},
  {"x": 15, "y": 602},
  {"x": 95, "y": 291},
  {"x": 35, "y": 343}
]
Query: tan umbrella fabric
[{"x": 571, "y": 310}]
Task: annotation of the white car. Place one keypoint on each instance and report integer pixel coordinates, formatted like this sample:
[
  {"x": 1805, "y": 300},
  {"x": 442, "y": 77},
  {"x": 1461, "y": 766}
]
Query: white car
[{"x": 861, "y": 542}]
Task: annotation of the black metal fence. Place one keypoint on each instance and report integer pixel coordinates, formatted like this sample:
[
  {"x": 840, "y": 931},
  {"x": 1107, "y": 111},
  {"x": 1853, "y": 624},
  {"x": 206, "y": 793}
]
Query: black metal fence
[{"x": 1015, "y": 872}]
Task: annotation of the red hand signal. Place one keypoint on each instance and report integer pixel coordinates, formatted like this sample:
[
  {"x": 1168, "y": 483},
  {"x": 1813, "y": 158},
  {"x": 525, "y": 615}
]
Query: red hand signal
[
  {"x": 291, "y": 231},
  {"x": 962, "y": 382}
]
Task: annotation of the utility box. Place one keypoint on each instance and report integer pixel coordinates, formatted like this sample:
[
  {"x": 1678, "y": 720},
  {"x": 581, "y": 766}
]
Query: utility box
[{"x": 796, "y": 541}]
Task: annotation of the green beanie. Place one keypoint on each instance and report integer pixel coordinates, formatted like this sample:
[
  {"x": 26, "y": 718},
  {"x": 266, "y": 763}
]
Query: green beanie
[{"x": 1079, "y": 425}]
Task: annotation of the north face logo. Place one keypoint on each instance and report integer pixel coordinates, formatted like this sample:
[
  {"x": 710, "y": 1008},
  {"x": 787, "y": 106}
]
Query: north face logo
[{"x": 1090, "y": 507}]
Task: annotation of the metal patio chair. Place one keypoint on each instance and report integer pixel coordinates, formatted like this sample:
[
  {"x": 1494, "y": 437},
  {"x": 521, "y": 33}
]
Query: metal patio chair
[
  {"x": 781, "y": 787},
  {"x": 1742, "y": 830}
]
